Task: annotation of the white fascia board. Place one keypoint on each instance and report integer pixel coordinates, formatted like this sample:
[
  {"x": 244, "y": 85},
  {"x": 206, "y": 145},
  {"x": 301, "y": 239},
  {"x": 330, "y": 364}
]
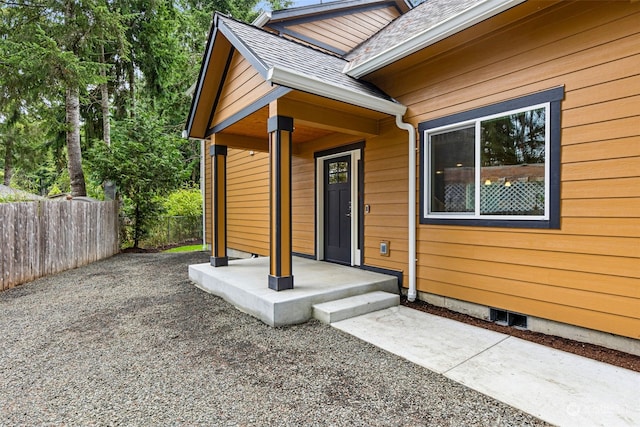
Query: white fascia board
[
  {"x": 313, "y": 85},
  {"x": 465, "y": 19},
  {"x": 262, "y": 19}
]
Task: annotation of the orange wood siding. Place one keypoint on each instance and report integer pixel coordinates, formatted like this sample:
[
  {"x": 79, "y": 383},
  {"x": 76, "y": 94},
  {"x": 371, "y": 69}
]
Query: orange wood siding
[
  {"x": 588, "y": 272},
  {"x": 248, "y": 201},
  {"x": 303, "y": 203},
  {"x": 208, "y": 200},
  {"x": 304, "y": 190},
  {"x": 347, "y": 31},
  {"x": 242, "y": 87},
  {"x": 386, "y": 192}
]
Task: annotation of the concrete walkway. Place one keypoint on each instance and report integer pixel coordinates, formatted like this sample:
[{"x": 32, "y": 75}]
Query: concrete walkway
[{"x": 555, "y": 386}]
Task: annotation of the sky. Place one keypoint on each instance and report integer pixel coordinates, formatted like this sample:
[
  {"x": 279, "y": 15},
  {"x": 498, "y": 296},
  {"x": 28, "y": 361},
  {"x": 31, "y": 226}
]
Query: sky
[{"x": 296, "y": 3}]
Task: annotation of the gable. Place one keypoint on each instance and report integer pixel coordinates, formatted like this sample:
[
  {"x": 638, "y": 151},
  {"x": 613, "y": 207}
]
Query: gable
[
  {"x": 338, "y": 31},
  {"x": 242, "y": 85}
]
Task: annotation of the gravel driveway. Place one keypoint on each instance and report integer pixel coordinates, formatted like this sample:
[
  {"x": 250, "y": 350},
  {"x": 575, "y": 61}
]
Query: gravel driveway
[{"x": 130, "y": 341}]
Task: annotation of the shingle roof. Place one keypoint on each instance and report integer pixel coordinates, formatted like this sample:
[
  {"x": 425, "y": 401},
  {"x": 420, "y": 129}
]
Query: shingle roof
[
  {"x": 403, "y": 28},
  {"x": 331, "y": 6},
  {"x": 270, "y": 50}
]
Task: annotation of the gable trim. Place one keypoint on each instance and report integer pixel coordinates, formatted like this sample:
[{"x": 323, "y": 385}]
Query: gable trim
[
  {"x": 249, "y": 109},
  {"x": 244, "y": 50},
  {"x": 319, "y": 87},
  {"x": 333, "y": 14},
  {"x": 429, "y": 36},
  {"x": 196, "y": 98},
  {"x": 297, "y": 35},
  {"x": 333, "y": 6},
  {"x": 221, "y": 86}
]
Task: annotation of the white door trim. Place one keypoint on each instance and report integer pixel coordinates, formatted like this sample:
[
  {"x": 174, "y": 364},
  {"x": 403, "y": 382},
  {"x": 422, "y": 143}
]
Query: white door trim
[{"x": 355, "y": 213}]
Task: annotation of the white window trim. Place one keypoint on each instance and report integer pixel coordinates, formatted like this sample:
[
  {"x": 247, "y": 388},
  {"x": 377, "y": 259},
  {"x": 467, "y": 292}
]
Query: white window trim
[{"x": 476, "y": 123}]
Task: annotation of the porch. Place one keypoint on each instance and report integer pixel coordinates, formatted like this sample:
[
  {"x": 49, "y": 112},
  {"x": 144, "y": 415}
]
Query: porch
[{"x": 242, "y": 283}]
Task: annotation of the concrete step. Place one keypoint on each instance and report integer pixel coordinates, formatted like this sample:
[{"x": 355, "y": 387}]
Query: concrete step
[{"x": 346, "y": 308}]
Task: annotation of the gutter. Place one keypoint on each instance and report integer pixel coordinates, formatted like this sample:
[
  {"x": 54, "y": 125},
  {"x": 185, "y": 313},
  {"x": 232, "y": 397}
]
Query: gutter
[
  {"x": 412, "y": 293},
  {"x": 306, "y": 83},
  {"x": 463, "y": 20},
  {"x": 262, "y": 19}
]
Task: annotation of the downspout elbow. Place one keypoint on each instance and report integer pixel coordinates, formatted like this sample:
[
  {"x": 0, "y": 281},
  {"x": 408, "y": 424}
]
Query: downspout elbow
[{"x": 411, "y": 293}]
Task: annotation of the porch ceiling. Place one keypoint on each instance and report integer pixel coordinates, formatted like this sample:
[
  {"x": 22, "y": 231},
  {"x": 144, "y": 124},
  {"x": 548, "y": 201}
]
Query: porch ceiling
[
  {"x": 255, "y": 126},
  {"x": 314, "y": 117}
]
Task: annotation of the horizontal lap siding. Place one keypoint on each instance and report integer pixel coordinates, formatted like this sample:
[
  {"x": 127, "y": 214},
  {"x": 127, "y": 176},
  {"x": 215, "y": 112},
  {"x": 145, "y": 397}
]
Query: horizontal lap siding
[
  {"x": 208, "y": 200},
  {"x": 303, "y": 203},
  {"x": 588, "y": 272},
  {"x": 304, "y": 193},
  {"x": 347, "y": 31},
  {"x": 386, "y": 192},
  {"x": 242, "y": 87},
  {"x": 248, "y": 201}
]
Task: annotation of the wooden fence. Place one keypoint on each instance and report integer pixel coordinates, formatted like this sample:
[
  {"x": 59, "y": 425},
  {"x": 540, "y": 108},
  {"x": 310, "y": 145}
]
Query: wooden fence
[{"x": 42, "y": 238}]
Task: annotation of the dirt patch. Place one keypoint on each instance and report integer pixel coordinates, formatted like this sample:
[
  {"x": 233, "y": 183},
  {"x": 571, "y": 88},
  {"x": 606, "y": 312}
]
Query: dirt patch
[{"x": 591, "y": 351}]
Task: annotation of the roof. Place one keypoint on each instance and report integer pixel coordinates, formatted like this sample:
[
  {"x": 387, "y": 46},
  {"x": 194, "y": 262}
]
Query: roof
[
  {"x": 324, "y": 8},
  {"x": 426, "y": 24},
  {"x": 294, "y": 65},
  {"x": 268, "y": 51},
  {"x": 298, "y": 66}
]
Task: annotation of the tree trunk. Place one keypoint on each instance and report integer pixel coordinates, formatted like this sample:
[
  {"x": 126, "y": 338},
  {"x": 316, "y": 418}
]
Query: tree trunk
[
  {"x": 104, "y": 101},
  {"x": 74, "y": 152},
  {"x": 132, "y": 90},
  {"x": 8, "y": 160},
  {"x": 10, "y": 144},
  {"x": 136, "y": 227}
]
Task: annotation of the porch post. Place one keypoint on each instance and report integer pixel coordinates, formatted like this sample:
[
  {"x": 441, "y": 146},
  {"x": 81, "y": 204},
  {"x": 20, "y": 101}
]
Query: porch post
[
  {"x": 219, "y": 212},
  {"x": 280, "y": 244}
]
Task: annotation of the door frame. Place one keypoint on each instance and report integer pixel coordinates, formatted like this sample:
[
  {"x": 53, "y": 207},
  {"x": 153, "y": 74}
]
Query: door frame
[{"x": 356, "y": 155}]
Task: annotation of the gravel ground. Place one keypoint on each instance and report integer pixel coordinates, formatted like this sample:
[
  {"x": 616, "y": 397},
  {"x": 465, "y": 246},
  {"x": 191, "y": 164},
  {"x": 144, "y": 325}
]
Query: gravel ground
[{"x": 130, "y": 341}]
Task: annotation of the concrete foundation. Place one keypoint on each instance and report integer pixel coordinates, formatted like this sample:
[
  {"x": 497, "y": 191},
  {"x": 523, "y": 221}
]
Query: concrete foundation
[{"x": 537, "y": 324}]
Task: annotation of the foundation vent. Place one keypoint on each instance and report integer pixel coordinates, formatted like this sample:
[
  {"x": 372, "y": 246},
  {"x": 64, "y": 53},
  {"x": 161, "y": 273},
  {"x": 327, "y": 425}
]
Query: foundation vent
[{"x": 508, "y": 318}]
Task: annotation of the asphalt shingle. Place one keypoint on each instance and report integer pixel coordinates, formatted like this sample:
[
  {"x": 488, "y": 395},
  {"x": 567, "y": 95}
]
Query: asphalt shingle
[
  {"x": 424, "y": 16},
  {"x": 275, "y": 51}
]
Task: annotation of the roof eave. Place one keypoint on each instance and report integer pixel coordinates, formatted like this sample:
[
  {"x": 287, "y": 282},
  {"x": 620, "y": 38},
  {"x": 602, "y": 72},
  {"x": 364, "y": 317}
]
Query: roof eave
[
  {"x": 331, "y": 6},
  {"x": 291, "y": 79},
  {"x": 197, "y": 87},
  {"x": 465, "y": 19}
]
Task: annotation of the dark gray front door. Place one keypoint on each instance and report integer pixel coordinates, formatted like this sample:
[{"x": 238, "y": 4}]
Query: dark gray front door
[{"x": 337, "y": 209}]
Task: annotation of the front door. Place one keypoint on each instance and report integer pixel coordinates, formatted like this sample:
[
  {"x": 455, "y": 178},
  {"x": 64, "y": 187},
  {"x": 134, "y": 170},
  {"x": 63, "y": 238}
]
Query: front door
[{"x": 337, "y": 209}]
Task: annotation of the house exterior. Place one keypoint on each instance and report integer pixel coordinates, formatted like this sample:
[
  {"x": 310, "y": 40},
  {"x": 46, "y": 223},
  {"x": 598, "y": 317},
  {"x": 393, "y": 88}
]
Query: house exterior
[{"x": 486, "y": 152}]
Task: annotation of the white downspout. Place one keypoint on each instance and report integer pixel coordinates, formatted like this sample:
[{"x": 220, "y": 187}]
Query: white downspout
[{"x": 412, "y": 294}]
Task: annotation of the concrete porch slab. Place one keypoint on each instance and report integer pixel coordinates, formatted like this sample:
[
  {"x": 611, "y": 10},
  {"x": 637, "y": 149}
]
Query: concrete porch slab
[{"x": 243, "y": 283}]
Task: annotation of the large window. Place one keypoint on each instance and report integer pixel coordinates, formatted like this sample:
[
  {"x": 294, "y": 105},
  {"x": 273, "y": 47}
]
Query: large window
[{"x": 495, "y": 166}]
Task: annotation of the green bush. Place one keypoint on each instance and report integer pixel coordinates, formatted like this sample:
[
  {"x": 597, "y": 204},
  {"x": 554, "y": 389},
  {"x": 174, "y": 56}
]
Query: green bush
[{"x": 185, "y": 202}]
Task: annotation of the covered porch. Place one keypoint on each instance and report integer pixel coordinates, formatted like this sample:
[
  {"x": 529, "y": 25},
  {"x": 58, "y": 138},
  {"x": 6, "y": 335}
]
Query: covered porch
[
  {"x": 293, "y": 107},
  {"x": 242, "y": 283}
]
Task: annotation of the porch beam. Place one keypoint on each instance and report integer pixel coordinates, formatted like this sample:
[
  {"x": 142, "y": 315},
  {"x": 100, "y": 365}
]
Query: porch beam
[
  {"x": 326, "y": 118},
  {"x": 242, "y": 142},
  {"x": 280, "y": 129},
  {"x": 218, "y": 154}
]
